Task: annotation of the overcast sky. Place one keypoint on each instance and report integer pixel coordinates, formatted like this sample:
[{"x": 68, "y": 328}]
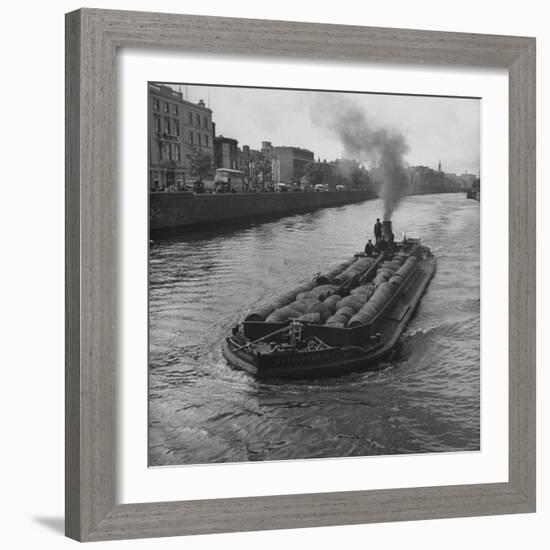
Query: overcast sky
[{"x": 435, "y": 128}]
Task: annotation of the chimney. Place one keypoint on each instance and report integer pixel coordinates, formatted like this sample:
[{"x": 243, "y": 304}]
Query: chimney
[
  {"x": 387, "y": 230},
  {"x": 201, "y": 103}
]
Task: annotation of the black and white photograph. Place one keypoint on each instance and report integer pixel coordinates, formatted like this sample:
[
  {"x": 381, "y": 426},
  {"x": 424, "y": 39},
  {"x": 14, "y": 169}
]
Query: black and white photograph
[
  {"x": 272, "y": 281},
  {"x": 314, "y": 274}
]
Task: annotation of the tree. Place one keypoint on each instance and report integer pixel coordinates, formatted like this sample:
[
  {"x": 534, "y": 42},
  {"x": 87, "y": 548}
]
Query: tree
[
  {"x": 360, "y": 180},
  {"x": 200, "y": 162},
  {"x": 260, "y": 169},
  {"x": 315, "y": 173}
]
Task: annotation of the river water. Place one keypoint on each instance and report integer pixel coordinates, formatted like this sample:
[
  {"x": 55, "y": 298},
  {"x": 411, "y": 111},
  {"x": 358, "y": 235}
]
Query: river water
[{"x": 426, "y": 400}]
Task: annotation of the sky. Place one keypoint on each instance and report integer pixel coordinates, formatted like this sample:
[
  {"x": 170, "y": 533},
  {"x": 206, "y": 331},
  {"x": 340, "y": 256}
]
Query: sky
[{"x": 434, "y": 128}]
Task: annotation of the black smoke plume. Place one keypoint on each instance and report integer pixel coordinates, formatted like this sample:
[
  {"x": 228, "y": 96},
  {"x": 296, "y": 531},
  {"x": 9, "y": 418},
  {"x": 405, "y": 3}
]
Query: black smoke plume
[{"x": 381, "y": 149}]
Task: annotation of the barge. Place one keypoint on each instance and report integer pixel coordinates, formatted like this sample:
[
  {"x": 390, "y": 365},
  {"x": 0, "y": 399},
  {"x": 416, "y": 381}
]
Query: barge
[{"x": 348, "y": 319}]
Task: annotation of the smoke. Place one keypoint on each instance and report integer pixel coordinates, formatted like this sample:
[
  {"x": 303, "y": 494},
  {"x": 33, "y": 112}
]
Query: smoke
[{"x": 381, "y": 149}]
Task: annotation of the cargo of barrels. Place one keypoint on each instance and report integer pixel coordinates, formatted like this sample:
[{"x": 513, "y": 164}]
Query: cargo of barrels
[{"x": 321, "y": 303}]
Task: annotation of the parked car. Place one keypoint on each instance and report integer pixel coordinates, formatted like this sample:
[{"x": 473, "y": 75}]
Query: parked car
[{"x": 281, "y": 187}]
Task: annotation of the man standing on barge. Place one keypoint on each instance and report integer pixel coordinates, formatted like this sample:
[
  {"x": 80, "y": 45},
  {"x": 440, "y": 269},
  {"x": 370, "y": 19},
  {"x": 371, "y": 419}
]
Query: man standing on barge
[{"x": 369, "y": 248}]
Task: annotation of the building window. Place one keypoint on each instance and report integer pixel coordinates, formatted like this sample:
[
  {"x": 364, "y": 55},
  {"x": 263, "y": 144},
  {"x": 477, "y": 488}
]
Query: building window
[
  {"x": 199, "y": 136},
  {"x": 190, "y": 117},
  {"x": 169, "y": 151},
  {"x": 176, "y": 128},
  {"x": 206, "y": 140},
  {"x": 165, "y": 107},
  {"x": 155, "y": 104},
  {"x": 167, "y": 125},
  {"x": 205, "y": 122},
  {"x": 175, "y": 109},
  {"x": 157, "y": 124},
  {"x": 198, "y": 119},
  {"x": 178, "y": 152},
  {"x": 190, "y": 135}
]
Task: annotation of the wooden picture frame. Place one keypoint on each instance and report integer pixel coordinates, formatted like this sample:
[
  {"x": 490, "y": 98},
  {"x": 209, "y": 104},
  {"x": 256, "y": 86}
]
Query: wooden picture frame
[{"x": 92, "y": 39}]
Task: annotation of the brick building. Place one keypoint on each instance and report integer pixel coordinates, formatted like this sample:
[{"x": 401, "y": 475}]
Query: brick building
[
  {"x": 425, "y": 179},
  {"x": 289, "y": 164},
  {"x": 175, "y": 127},
  {"x": 226, "y": 153}
]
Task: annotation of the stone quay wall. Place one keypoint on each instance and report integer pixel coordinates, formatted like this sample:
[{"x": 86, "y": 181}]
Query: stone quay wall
[{"x": 179, "y": 212}]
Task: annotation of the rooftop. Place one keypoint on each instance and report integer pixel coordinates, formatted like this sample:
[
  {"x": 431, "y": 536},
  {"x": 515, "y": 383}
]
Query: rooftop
[{"x": 169, "y": 92}]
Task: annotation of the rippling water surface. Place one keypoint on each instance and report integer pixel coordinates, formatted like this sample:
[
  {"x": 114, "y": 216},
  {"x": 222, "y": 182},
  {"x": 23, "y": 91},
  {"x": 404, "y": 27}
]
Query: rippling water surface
[{"x": 426, "y": 400}]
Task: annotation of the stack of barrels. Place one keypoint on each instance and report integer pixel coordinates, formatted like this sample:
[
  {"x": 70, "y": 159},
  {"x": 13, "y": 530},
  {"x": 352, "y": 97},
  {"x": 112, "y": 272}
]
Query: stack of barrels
[
  {"x": 285, "y": 307},
  {"x": 355, "y": 268},
  {"x": 346, "y": 308},
  {"x": 264, "y": 311},
  {"x": 386, "y": 286},
  {"x": 328, "y": 277},
  {"x": 322, "y": 305}
]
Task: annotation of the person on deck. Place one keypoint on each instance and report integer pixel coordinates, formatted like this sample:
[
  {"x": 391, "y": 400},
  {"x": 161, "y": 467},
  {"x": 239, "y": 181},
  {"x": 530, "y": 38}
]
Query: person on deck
[
  {"x": 378, "y": 230},
  {"x": 369, "y": 248}
]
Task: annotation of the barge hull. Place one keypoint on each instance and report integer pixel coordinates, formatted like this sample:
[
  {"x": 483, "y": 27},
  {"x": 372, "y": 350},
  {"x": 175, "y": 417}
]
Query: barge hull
[{"x": 393, "y": 326}]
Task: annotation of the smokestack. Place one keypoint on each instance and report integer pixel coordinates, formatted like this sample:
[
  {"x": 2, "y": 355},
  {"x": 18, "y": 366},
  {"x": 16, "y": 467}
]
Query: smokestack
[{"x": 387, "y": 230}]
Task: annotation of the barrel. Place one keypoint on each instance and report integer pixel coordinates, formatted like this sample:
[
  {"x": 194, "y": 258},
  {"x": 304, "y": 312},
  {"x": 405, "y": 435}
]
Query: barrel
[
  {"x": 356, "y": 320},
  {"x": 323, "y": 291},
  {"x": 388, "y": 272},
  {"x": 366, "y": 314},
  {"x": 379, "y": 279},
  {"x": 408, "y": 267},
  {"x": 361, "y": 318},
  {"x": 382, "y": 294},
  {"x": 354, "y": 301},
  {"x": 342, "y": 278},
  {"x": 301, "y": 305},
  {"x": 283, "y": 314},
  {"x": 320, "y": 292},
  {"x": 396, "y": 280},
  {"x": 284, "y": 300},
  {"x": 261, "y": 312},
  {"x": 321, "y": 308},
  {"x": 347, "y": 311},
  {"x": 314, "y": 318},
  {"x": 331, "y": 302},
  {"x": 304, "y": 286},
  {"x": 328, "y": 276},
  {"x": 382, "y": 290},
  {"x": 339, "y": 319},
  {"x": 365, "y": 290}
]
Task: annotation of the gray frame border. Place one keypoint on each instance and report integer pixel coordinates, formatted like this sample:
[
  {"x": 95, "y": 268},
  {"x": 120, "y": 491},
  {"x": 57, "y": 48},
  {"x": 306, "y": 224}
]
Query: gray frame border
[{"x": 92, "y": 37}]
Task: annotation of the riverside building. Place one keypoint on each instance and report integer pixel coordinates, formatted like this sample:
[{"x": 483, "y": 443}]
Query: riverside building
[{"x": 175, "y": 127}]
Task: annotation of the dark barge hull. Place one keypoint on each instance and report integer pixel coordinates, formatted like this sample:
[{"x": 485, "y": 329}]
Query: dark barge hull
[{"x": 338, "y": 360}]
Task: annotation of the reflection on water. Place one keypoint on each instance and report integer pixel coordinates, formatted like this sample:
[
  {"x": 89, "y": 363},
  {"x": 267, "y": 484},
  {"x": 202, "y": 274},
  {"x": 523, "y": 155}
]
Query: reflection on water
[{"x": 202, "y": 411}]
